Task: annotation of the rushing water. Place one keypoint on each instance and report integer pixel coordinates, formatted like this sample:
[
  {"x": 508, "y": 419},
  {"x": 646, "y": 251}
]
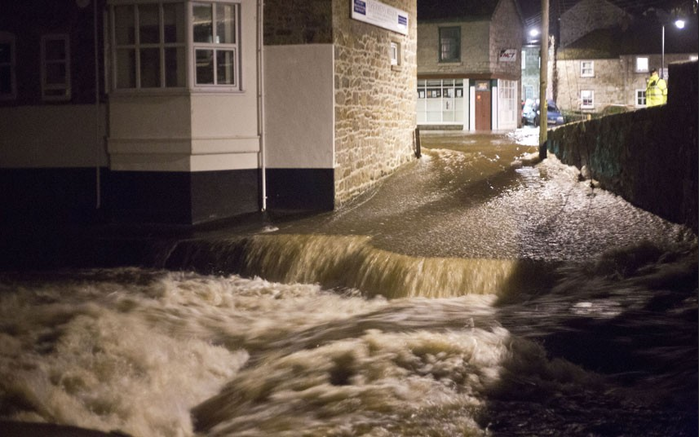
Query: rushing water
[{"x": 472, "y": 294}]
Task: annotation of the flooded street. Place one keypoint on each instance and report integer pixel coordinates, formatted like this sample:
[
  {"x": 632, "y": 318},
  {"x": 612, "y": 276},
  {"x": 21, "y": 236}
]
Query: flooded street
[{"x": 475, "y": 292}]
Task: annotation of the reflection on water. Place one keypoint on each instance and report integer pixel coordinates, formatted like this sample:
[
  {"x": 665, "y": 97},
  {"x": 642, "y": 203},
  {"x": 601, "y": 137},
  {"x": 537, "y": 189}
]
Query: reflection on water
[{"x": 471, "y": 294}]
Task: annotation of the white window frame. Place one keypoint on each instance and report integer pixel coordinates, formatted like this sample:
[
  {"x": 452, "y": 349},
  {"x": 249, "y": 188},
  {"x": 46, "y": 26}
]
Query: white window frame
[
  {"x": 642, "y": 64},
  {"x": 394, "y": 53},
  {"x": 640, "y": 95},
  {"x": 587, "y": 68},
  {"x": 8, "y": 38},
  {"x": 55, "y": 91},
  {"x": 137, "y": 46},
  {"x": 236, "y": 86},
  {"x": 590, "y": 105}
]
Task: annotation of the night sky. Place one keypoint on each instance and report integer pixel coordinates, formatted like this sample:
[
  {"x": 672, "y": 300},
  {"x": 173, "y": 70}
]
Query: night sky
[{"x": 532, "y": 8}]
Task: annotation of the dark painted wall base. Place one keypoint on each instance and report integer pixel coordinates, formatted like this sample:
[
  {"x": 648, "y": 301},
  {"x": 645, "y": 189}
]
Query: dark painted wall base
[
  {"x": 182, "y": 198},
  {"x": 65, "y": 197},
  {"x": 49, "y": 196},
  {"x": 301, "y": 189}
]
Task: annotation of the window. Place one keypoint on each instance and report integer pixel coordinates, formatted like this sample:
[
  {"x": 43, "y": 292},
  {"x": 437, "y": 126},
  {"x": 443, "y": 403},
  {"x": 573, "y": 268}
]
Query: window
[
  {"x": 640, "y": 97},
  {"x": 587, "y": 68},
  {"x": 148, "y": 45},
  {"x": 641, "y": 65},
  {"x": 55, "y": 67},
  {"x": 394, "y": 53},
  {"x": 215, "y": 31},
  {"x": 449, "y": 44},
  {"x": 587, "y": 99},
  {"x": 8, "y": 81},
  {"x": 441, "y": 101}
]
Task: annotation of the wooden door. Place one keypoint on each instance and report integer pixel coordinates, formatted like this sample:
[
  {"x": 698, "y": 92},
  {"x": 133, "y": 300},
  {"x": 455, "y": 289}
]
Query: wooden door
[{"x": 483, "y": 110}]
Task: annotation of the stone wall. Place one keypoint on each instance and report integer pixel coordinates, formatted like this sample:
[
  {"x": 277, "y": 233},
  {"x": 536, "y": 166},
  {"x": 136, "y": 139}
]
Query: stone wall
[
  {"x": 298, "y": 22},
  {"x": 475, "y": 36},
  {"x": 648, "y": 156},
  {"x": 374, "y": 101},
  {"x": 615, "y": 81},
  {"x": 587, "y": 16},
  {"x": 506, "y": 32}
]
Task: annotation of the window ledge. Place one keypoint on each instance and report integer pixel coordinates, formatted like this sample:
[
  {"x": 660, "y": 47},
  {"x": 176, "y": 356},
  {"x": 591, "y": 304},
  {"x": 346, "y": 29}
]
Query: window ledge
[
  {"x": 447, "y": 63},
  {"x": 169, "y": 92}
]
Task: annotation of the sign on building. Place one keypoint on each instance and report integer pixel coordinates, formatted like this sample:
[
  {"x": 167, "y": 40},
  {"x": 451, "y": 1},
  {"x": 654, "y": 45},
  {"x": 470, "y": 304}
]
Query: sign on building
[
  {"x": 508, "y": 55},
  {"x": 381, "y": 15}
]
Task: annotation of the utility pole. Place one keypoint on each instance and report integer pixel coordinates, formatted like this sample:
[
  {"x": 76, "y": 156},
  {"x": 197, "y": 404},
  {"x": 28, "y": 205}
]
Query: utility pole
[{"x": 543, "y": 72}]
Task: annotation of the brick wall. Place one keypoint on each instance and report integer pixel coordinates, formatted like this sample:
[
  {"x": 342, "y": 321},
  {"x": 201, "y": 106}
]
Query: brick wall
[
  {"x": 374, "y": 102},
  {"x": 648, "y": 156}
]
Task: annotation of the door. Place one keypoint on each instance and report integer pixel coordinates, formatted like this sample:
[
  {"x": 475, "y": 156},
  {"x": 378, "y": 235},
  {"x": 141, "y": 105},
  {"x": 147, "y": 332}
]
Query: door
[{"x": 482, "y": 110}]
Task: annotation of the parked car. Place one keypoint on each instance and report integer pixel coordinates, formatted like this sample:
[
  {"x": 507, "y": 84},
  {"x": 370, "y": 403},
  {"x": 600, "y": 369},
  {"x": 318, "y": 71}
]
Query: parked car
[{"x": 531, "y": 113}]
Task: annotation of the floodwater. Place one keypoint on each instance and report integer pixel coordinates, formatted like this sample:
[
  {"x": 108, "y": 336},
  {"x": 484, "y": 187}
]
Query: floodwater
[{"x": 475, "y": 292}]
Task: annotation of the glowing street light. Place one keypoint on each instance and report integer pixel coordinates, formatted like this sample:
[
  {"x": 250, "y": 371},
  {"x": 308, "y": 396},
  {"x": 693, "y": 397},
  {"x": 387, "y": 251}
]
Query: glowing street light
[
  {"x": 679, "y": 23},
  {"x": 534, "y": 32}
]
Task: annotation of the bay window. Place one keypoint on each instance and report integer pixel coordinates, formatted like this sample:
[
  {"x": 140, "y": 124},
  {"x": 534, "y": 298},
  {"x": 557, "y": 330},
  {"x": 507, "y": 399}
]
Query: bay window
[
  {"x": 214, "y": 29},
  {"x": 151, "y": 47}
]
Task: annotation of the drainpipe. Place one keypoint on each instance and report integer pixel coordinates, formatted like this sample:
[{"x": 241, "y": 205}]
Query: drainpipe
[
  {"x": 98, "y": 122},
  {"x": 260, "y": 100}
]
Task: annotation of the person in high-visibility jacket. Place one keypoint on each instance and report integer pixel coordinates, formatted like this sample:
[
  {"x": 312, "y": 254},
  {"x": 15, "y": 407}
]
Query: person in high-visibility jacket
[{"x": 656, "y": 90}]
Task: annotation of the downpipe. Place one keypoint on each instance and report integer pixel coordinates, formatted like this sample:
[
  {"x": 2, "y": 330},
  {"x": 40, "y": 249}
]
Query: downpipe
[{"x": 261, "y": 103}]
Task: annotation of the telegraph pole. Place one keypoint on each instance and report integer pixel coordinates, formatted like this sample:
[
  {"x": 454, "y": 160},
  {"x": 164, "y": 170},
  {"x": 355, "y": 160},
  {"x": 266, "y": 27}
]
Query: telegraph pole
[{"x": 543, "y": 72}]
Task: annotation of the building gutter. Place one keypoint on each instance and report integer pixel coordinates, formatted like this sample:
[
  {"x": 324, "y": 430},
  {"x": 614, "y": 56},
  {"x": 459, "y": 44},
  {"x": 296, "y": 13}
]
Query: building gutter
[{"x": 261, "y": 103}]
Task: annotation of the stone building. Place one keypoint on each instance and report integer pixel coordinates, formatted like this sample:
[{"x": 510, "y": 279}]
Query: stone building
[
  {"x": 469, "y": 66},
  {"x": 589, "y": 15},
  {"x": 185, "y": 112},
  {"x": 609, "y": 67}
]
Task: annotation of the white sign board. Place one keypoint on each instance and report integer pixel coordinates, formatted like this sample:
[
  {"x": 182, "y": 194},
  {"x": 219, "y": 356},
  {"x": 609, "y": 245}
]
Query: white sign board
[
  {"x": 508, "y": 55},
  {"x": 381, "y": 15}
]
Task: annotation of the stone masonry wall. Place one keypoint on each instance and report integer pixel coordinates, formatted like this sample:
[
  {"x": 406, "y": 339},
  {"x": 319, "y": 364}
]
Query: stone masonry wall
[
  {"x": 506, "y": 33},
  {"x": 587, "y": 16},
  {"x": 615, "y": 81},
  {"x": 374, "y": 102},
  {"x": 648, "y": 156},
  {"x": 298, "y": 22},
  {"x": 474, "y": 36}
]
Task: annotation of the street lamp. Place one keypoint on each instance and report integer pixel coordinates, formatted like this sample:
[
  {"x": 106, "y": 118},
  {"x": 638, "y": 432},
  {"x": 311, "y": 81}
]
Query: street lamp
[
  {"x": 680, "y": 25},
  {"x": 664, "y": 18}
]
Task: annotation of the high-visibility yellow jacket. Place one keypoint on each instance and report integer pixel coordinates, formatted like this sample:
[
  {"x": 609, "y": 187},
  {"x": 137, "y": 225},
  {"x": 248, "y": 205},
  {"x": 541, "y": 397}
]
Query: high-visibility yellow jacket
[{"x": 656, "y": 91}]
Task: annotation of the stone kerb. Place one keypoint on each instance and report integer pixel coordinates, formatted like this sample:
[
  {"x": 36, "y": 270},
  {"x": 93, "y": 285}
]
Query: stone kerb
[{"x": 648, "y": 156}]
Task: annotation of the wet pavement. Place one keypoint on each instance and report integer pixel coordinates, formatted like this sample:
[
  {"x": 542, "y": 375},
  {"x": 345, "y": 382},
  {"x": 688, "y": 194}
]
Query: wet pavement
[{"x": 488, "y": 196}]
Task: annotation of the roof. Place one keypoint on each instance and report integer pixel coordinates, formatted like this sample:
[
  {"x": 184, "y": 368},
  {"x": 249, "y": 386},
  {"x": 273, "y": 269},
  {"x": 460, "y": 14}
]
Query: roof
[
  {"x": 532, "y": 8},
  {"x": 642, "y": 37},
  {"x": 455, "y": 9}
]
